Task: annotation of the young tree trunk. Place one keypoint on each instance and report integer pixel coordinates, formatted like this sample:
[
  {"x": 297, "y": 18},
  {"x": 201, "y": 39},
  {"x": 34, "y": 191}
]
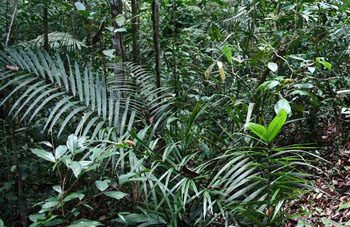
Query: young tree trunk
[
  {"x": 175, "y": 77},
  {"x": 135, "y": 7},
  {"x": 117, "y": 9},
  {"x": 155, "y": 19},
  {"x": 45, "y": 27},
  {"x": 13, "y": 17}
]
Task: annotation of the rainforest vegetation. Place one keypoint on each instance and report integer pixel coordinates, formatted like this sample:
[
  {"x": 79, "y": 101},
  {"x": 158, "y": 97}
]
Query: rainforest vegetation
[{"x": 174, "y": 113}]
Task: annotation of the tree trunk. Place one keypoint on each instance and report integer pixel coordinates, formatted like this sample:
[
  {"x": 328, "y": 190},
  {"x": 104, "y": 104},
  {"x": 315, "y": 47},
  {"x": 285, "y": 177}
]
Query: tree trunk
[
  {"x": 13, "y": 17},
  {"x": 155, "y": 19},
  {"x": 135, "y": 7},
  {"x": 45, "y": 27},
  {"x": 117, "y": 9},
  {"x": 175, "y": 77}
]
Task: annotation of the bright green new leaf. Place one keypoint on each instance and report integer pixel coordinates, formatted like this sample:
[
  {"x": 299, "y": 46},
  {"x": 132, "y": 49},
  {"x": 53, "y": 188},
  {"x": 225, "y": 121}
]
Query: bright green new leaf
[
  {"x": 115, "y": 194},
  {"x": 258, "y": 130},
  {"x": 228, "y": 53},
  {"x": 326, "y": 64},
  {"x": 44, "y": 155},
  {"x": 276, "y": 125}
]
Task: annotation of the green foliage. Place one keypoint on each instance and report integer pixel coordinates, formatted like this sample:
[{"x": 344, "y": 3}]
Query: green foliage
[
  {"x": 212, "y": 150},
  {"x": 269, "y": 134},
  {"x": 59, "y": 40}
]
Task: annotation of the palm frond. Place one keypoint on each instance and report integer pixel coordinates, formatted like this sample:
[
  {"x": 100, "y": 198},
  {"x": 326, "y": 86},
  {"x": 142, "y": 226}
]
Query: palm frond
[
  {"x": 42, "y": 82},
  {"x": 58, "y": 40},
  {"x": 135, "y": 82}
]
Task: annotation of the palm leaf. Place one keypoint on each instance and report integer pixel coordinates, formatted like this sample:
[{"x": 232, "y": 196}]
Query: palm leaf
[
  {"x": 43, "y": 81},
  {"x": 151, "y": 102},
  {"x": 59, "y": 40}
]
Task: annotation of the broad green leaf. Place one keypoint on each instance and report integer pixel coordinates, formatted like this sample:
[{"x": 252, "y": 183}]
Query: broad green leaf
[
  {"x": 57, "y": 188},
  {"x": 283, "y": 104},
  {"x": 44, "y": 155},
  {"x": 120, "y": 19},
  {"x": 125, "y": 177},
  {"x": 276, "y": 125},
  {"x": 74, "y": 195},
  {"x": 102, "y": 185},
  {"x": 115, "y": 194},
  {"x": 272, "y": 66},
  {"x": 299, "y": 92},
  {"x": 257, "y": 129},
  {"x": 2, "y": 223},
  {"x": 36, "y": 217},
  {"x": 60, "y": 150},
  {"x": 95, "y": 153},
  {"x": 228, "y": 53},
  {"x": 49, "y": 204},
  {"x": 80, "y": 6},
  {"x": 311, "y": 69},
  {"x": 76, "y": 168},
  {"x": 271, "y": 84},
  {"x": 326, "y": 64},
  {"x": 73, "y": 143},
  {"x": 85, "y": 223}
]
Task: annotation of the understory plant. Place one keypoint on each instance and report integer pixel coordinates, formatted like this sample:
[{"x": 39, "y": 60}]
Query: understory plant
[{"x": 76, "y": 166}]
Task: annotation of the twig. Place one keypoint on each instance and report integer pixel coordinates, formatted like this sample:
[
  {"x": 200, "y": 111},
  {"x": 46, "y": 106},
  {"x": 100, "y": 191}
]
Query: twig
[{"x": 13, "y": 17}]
